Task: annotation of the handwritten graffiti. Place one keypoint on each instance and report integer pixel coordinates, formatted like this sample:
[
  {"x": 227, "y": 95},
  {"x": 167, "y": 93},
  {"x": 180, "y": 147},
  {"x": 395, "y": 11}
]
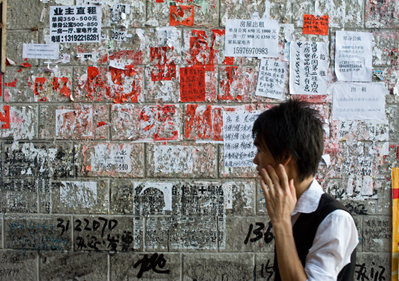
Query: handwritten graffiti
[
  {"x": 268, "y": 236},
  {"x": 267, "y": 271},
  {"x": 375, "y": 273},
  {"x": 151, "y": 263},
  {"x": 38, "y": 235},
  {"x": 99, "y": 234}
]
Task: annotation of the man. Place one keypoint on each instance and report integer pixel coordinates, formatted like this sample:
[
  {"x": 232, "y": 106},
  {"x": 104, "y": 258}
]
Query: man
[{"x": 315, "y": 236}]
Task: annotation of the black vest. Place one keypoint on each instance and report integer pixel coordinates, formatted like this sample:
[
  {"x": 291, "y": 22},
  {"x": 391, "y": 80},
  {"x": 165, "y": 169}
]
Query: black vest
[{"x": 305, "y": 230}]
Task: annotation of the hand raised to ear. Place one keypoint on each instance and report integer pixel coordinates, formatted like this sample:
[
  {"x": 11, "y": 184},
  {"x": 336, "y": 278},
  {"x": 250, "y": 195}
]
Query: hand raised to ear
[{"x": 280, "y": 193}]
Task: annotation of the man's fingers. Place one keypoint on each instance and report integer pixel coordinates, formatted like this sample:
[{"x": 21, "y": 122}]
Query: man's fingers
[
  {"x": 266, "y": 179},
  {"x": 282, "y": 175},
  {"x": 274, "y": 178},
  {"x": 264, "y": 189}
]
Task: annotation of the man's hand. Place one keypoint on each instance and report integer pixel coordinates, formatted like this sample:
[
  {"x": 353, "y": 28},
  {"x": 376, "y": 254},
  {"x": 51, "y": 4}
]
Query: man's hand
[{"x": 280, "y": 195}]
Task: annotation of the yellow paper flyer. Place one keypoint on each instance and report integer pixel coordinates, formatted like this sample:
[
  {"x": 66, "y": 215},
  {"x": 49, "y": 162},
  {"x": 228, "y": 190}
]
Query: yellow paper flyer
[{"x": 395, "y": 223}]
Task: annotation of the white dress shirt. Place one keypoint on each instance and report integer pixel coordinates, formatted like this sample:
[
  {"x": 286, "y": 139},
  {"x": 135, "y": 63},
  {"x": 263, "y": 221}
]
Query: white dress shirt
[{"x": 336, "y": 237}]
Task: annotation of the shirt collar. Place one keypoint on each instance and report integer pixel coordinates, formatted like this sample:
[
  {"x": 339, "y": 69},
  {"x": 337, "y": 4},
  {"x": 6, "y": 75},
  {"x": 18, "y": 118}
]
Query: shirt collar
[{"x": 309, "y": 200}]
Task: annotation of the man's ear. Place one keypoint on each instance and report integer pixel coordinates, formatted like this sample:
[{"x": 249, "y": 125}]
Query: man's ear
[{"x": 287, "y": 158}]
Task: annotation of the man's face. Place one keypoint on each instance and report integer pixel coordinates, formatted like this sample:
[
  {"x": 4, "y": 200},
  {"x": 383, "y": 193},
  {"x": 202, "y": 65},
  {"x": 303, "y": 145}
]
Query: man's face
[{"x": 263, "y": 157}]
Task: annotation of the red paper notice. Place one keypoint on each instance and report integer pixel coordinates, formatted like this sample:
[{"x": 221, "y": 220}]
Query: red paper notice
[
  {"x": 315, "y": 25},
  {"x": 192, "y": 84},
  {"x": 183, "y": 14}
]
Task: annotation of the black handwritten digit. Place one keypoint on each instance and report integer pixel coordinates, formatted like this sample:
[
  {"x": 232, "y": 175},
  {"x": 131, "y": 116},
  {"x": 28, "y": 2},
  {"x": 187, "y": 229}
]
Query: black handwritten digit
[
  {"x": 104, "y": 226},
  {"x": 96, "y": 225},
  {"x": 112, "y": 224},
  {"x": 258, "y": 232},
  {"x": 87, "y": 225},
  {"x": 268, "y": 236},
  {"x": 61, "y": 225},
  {"x": 251, "y": 226},
  {"x": 77, "y": 227}
]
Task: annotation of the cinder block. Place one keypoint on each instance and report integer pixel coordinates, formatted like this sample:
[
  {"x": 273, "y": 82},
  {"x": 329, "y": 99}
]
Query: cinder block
[
  {"x": 264, "y": 266},
  {"x": 37, "y": 232},
  {"x": 79, "y": 197},
  {"x": 134, "y": 14},
  {"x": 103, "y": 233},
  {"x": 44, "y": 160},
  {"x": 341, "y": 14},
  {"x": 393, "y": 118},
  {"x": 147, "y": 266},
  {"x": 238, "y": 83},
  {"x": 247, "y": 234},
  {"x": 18, "y": 265},
  {"x": 145, "y": 123},
  {"x": 204, "y": 47},
  {"x": 234, "y": 172},
  {"x": 218, "y": 267},
  {"x": 198, "y": 14},
  {"x": 381, "y": 14},
  {"x": 112, "y": 159},
  {"x": 19, "y": 86},
  {"x": 20, "y": 122},
  {"x": 195, "y": 232},
  {"x": 239, "y": 197},
  {"x": 121, "y": 197},
  {"x": 162, "y": 91},
  {"x": 15, "y": 40},
  {"x": 373, "y": 265},
  {"x": 279, "y": 10},
  {"x": 377, "y": 234},
  {"x": 384, "y": 48},
  {"x": 29, "y": 11},
  {"x": 69, "y": 266},
  {"x": 182, "y": 160},
  {"x": 114, "y": 85},
  {"x": 157, "y": 234},
  {"x": 19, "y": 195},
  {"x": 81, "y": 122}
]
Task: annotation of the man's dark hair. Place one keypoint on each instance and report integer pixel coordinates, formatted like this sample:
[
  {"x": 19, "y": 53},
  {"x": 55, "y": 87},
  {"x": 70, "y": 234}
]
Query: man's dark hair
[{"x": 295, "y": 128}]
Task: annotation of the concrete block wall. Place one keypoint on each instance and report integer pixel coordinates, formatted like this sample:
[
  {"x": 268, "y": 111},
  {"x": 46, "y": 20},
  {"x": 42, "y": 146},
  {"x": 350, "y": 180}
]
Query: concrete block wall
[{"x": 107, "y": 175}]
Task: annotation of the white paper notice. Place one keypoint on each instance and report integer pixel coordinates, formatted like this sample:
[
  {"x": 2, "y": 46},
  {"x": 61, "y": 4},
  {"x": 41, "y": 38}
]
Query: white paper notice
[
  {"x": 358, "y": 101},
  {"x": 251, "y": 38},
  {"x": 271, "y": 79},
  {"x": 41, "y": 51},
  {"x": 308, "y": 68},
  {"x": 353, "y": 59},
  {"x": 239, "y": 150},
  {"x": 106, "y": 157},
  {"x": 75, "y": 24},
  {"x": 166, "y": 189}
]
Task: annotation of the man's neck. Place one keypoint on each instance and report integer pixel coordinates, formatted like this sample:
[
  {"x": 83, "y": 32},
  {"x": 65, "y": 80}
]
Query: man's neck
[{"x": 302, "y": 186}]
